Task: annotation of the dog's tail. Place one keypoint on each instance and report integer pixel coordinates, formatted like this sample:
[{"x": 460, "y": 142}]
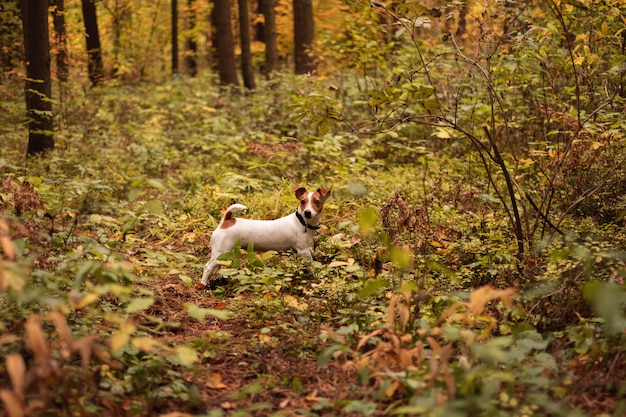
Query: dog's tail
[{"x": 228, "y": 215}]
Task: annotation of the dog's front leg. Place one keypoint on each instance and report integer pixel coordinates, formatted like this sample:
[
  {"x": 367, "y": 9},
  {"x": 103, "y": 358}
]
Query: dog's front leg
[{"x": 209, "y": 268}]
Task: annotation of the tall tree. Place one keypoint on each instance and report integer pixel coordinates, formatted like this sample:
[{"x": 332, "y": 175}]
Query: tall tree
[
  {"x": 246, "y": 54},
  {"x": 174, "y": 37},
  {"x": 223, "y": 42},
  {"x": 304, "y": 35},
  {"x": 58, "y": 21},
  {"x": 94, "y": 53},
  {"x": 38, "y": 83},
  {"x": 190, "y": 60},
  {"x": 269, "y": 36}
]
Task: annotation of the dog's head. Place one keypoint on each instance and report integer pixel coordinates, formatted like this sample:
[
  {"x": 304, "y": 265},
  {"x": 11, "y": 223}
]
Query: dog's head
[{"x": 311, "y": 202}]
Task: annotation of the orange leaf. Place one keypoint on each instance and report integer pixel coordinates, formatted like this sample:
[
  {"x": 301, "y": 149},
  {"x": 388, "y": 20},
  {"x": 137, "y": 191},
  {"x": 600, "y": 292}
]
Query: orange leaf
[
  {"x": 215, "y": 382},
  {"x": 16, "y": 369},
  {"x": 36, "y": 340},
  {"x": 13, "y": 406}
]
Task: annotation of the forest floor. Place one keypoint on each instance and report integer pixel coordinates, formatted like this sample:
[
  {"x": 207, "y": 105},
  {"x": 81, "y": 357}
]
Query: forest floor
[
  {"x": 249, "y": 370},
  {"x": 128, "y": 228}
]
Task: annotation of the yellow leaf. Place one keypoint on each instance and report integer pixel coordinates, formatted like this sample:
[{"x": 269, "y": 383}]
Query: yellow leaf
[
  {"x": 442, "y": 133},
  {"x": 391, "y": 390},
  {"x": 118, "y": 341},
  {"x": 604, "y": 28},
  {"x": 186, "y": 355},
  {"x": 596, "y": 145},
  {"x": 122, "y": 336},
  {"x": 578, "y": 60},
  {"x": 80, "y": 301},
  {"x": 294, "y": 303},
  {"x": 145, "y": 344}
]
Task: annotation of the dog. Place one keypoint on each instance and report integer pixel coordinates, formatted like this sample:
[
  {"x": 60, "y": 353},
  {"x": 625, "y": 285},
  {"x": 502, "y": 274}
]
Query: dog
[{"x": 295, "y": 231}]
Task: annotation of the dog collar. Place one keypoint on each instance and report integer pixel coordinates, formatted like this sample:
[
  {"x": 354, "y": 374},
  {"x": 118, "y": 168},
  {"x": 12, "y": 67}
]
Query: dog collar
[{"x": 305, "y": 224}]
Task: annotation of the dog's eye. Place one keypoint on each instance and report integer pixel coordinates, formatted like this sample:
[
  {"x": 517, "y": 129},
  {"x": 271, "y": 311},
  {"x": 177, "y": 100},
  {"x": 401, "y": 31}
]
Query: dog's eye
[
  {"x": 317, "y": 202},
  {"x": 303, "y": 202}
]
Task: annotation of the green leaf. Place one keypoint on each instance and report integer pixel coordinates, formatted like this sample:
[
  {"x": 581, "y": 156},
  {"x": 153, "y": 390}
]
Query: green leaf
[
  {"x": 186, "y": 279},
  {"x": 401, "y": 257},
  {"x": 371, "y": 287},
  {"x": 364, "y": 408},
  {"x": 155, "y": 207},
  {"x": 328, "y": 354},
  {"x": 186, "y": 355},
  {"x": 368, "y": 218},
  {"x": 323, "y": 127},
  {"x": 377, "y": 97},
  {"x": 139, "y": 304},
  {"x": 200, "y": 313},
  {"x": 156, "y": 184}
]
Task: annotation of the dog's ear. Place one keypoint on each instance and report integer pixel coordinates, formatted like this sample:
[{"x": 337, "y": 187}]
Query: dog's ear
[
  {"x": 324, "y": 193},
  {"x": 300, "y": 192}
]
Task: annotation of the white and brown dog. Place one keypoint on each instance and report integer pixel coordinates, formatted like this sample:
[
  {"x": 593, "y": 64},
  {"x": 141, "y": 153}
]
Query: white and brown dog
[{"x": 295, "y": 231}]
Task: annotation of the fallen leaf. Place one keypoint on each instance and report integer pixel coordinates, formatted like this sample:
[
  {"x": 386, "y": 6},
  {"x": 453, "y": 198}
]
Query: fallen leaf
[
  {"x": 227, "y": 405},
  {"x": 215, "y": 382}
]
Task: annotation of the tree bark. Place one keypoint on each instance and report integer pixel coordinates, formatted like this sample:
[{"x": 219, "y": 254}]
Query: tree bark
[
  {"x": 58, "y": 20},
  {"x": 246, "y": 54},
  {"x": 269, "y": 36},
  {"x": 174, "y": 37},
  {"x": 38, "y": 85},
  {"x": 190, "y": 60},
  {"x": 223, "y": 43},
  {"x": 94, "y": 53},
  {"x": 304, "y": 35}
]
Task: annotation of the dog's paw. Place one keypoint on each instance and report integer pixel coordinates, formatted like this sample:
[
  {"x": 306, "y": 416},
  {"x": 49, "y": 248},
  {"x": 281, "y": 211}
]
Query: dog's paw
[{"x": 215, "y": 283}]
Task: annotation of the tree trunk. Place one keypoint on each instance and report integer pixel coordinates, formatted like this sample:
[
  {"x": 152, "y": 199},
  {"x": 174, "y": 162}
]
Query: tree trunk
[
  {"x": 38, "y": 83},
  {"x": 304, "y": 35},
  {"x": 259, "y": 25},
  {"x": 94, "y": 54},
  {"x": 246, "y": 54},
  {"x": 269, "y": 37},
  {"x": 190, "y": 60},
  {"x": 223, "y": 43},
  {"x": 58, "y": 20},
  {"x": 174, "y": 37}
]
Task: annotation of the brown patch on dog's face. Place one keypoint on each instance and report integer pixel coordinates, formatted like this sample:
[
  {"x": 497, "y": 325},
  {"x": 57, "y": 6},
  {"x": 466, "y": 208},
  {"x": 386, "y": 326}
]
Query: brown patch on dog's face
[{"x": 318, "y": 198}]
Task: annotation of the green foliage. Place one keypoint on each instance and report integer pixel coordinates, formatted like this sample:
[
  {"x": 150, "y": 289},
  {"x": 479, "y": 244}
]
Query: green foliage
[
  {"x": 418, "y": 300},
  {"x": 10, "y": 38}
]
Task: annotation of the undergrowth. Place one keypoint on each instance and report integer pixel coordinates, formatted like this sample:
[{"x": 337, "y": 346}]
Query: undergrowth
[{"x": 415, "y": 301}]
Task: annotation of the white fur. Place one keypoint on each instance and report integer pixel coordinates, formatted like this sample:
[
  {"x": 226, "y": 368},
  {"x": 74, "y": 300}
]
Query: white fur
[{"x": 280, "y": 234}]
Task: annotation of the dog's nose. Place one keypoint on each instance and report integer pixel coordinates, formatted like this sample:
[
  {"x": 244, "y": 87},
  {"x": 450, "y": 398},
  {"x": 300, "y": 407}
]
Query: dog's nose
[{"x": 307, "y": 214}]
